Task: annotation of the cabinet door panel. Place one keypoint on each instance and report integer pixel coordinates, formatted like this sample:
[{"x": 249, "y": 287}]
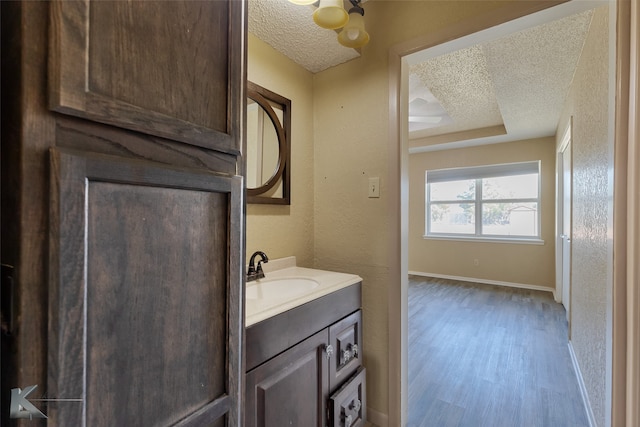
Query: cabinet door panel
[
  {"x": 145, "y": 298},
  {"x": 167, "y": 68},
  {"x": 345, "y": 337},
  {"x": 289, "y": 390}
]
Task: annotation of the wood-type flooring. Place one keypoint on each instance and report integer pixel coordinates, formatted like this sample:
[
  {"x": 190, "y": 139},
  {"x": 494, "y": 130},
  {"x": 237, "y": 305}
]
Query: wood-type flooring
[{"x": 482, "y": 355}]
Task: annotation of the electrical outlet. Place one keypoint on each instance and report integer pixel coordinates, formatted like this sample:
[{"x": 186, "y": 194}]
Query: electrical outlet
[{"x": 374, "y": 187}]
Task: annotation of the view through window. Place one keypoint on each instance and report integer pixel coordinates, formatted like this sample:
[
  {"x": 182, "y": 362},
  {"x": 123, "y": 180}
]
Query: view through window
[{"x": 496, "y": 201}]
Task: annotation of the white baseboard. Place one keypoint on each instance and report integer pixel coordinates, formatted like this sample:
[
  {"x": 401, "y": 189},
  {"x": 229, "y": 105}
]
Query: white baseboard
[
  {"x": 377, "y": 418},
  {"x": 487, "y": 282},
  {"x": 583, "y": 389},
  {"x": 557, "y": 295}
]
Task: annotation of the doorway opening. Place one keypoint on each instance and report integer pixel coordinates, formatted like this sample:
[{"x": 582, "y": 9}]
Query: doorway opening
[{"x": 398, "y": 297}]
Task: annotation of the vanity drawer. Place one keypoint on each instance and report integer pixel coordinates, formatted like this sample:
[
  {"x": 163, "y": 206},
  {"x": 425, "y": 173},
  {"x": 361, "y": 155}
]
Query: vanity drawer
[
  {"x": 345, "y": 336},
  {"x": 348, "y": 405}
]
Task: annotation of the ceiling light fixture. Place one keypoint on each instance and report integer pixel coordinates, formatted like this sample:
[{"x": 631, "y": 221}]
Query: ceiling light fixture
[
  {"x": 353, "y": 34},
  {"x": 331, "y": 15}
]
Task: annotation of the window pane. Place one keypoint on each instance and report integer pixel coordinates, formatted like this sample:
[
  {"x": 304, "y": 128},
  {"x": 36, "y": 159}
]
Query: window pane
[
  {"x": 453, "y": 218},
  {"x": 510, "y": 187},
  {"x": 453, "y": 190},
  {"x": 510, "y": 219}
]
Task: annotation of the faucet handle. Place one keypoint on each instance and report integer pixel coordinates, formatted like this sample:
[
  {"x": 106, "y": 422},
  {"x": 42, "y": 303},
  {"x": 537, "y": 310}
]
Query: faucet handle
[{"x": 254, "y": 273}]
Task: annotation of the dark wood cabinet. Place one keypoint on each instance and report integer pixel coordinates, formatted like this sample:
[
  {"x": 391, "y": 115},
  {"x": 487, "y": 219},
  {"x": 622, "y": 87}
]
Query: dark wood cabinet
[
  {"x": 166, "y": 68},
  {"x": 347, "y": 406},
  {"x": 291, "y": 389},
  {"x": 139, "y": 278},
  {"x": 345, "y": 338},
  {"x": 320, "y": 380},
  {"x": 122, "y": 210}
]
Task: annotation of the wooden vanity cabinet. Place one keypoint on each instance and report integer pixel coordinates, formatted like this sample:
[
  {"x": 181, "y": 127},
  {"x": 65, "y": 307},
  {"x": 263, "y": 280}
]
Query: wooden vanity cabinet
[
  {"x": 290, "y": 389},
  {"x": 318, "y": 381}
]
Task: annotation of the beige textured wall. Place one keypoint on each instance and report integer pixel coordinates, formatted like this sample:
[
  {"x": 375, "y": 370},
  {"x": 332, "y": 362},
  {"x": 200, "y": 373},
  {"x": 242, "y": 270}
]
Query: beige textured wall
[
  {"x": 515, "y": 263},
  {"x": 340, "y": 139},
  {"x": 591, "y": 261},
  {"x": 277, "y": 230},
  {"x": 351, "y": 104}
]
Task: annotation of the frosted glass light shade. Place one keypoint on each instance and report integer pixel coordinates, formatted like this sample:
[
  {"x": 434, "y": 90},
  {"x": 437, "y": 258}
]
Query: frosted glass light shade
[
  {"x": 353, "y": 34},
  {"x": 331, "y": 14},
  {"x": 303, "y": 2}
]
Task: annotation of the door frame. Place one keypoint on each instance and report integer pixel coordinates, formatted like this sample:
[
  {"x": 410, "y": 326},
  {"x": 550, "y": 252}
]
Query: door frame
[
  {"x": 624, "y": 338},
  {"x": 623, "y": 374},
  {"x": 564, "y": 150}
]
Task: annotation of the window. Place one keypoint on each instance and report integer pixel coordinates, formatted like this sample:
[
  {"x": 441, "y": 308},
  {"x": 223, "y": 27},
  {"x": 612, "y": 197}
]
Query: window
[{"x": 497, "y": 201}]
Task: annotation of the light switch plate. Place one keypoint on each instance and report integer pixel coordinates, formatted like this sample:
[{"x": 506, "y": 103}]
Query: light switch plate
[{"x": 374, "y": 187}]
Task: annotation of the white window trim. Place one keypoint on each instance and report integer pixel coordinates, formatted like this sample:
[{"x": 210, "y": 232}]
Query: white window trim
[
  {"x": 486, "y": 239},
  {"x": 478, "y": 173}
]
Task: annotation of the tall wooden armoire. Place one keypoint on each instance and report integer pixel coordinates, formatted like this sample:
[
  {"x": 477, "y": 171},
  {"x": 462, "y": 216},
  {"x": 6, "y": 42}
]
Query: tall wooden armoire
[{"x": 122, "y": 211}]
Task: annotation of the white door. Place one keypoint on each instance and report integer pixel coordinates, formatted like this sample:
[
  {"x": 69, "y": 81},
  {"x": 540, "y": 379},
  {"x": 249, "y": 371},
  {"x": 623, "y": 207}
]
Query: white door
[{"x": 566, "y": 227}]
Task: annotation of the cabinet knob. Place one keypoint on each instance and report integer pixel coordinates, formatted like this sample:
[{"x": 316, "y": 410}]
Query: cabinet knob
[
  {"x": 348, "y": 420},
  {"x": 348, "y": 354},
  {"x": 356, "y": 405},
  {"x": 329, "y": 350}
]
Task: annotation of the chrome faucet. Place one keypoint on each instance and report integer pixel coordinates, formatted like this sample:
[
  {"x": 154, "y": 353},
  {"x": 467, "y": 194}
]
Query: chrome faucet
[{"x": 254, "y": 273}]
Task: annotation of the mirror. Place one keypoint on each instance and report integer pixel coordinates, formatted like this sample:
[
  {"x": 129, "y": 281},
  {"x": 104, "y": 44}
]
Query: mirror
[{"x": 268, "y": 159}]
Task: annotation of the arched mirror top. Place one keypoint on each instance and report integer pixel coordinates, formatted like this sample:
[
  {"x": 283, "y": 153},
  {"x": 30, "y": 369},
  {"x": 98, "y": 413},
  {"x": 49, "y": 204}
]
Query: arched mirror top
[{"x": 268, "y": 157}]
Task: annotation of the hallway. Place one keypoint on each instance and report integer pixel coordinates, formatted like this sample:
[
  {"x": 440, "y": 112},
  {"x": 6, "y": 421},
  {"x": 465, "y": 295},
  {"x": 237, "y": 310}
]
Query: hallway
[{"x": 482, "y": 355}]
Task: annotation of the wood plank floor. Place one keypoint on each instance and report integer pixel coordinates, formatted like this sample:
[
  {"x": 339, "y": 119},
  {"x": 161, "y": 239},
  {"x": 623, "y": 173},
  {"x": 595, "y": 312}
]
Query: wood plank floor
[{"x": 482, "y": 355}]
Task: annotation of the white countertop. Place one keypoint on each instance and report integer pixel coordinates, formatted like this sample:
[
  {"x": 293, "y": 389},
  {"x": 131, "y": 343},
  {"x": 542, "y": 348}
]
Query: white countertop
[{"x": 258, "y": 309}]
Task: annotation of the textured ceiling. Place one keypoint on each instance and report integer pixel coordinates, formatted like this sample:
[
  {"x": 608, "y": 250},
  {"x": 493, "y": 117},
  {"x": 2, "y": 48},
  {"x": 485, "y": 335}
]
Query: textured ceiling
[
  {"x": 519, "y": 81},
  {"x": 290, "y": 29},
  {"x": 462, "y": 84},
  {"x": 501, "y": 90},
  {"x": 533, "y": 69}
]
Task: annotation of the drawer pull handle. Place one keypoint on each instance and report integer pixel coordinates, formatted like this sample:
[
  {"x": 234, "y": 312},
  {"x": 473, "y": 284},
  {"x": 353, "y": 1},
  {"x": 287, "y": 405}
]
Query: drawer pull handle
[
  {"x": 329, "y": 350},
  {"x": 348, "y": 420},
  {"x": 348, "y": 354},
  {"x": 356, "y": 405}
]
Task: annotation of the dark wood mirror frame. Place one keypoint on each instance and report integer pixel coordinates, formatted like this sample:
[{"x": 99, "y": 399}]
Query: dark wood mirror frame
[{"x": 265, "y": 98}]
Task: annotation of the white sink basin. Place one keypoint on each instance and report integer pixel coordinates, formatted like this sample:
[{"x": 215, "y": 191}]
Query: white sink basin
[
  {"x": 281, "y": 288},
  {"x": 287, "y": 286}
]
